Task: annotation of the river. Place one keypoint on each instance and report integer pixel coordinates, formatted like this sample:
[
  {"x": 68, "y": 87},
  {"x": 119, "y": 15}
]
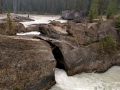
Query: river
[
  {"x": 42, "y": 19},
  {"x": 109, "y": 80}
]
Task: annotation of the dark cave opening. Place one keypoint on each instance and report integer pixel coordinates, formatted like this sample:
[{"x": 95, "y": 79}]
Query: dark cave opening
[{"x": 58, "y": 56}]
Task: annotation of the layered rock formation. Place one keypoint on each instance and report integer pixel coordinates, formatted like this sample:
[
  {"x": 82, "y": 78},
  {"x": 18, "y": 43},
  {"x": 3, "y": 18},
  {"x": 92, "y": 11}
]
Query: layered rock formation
[
  {"x": 25, "y": 64},
  {"x": 83, "y": 47}
]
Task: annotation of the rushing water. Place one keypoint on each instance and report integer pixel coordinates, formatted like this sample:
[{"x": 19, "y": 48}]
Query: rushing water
[
  {"x": 42, "y": 19},
  {"x": 109, "y": 80},
  {"x": 39, "y": 19}
]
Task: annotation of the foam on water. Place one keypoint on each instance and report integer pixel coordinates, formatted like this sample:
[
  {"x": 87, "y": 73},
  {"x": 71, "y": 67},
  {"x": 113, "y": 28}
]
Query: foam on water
[
  {"x": 39, "y": 19},
  {"x": 109, "y": 80},
  {"x": 29, "y": 33},
  {"x": 42, "y": 19}
]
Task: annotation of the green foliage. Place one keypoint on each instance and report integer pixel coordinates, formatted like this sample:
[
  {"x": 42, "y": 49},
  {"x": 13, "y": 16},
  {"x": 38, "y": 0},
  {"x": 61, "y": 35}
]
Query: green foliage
[
  {"x": 89, "y": 42},
  {"x": 107, "y": 45},
  {"x": 55, "y": 6},
  {"x": 111, "y": 9},
  {"x": 99, "y": 21},
  {"x": 9, "y": 21},
  {"x": 91, "y": 15},
  {"x": 16, "y": 88},
  {"x": 118, "y": 25},
  {"x": 101, "y": 7},
  {"x": 10, "y": 24},
  {"x": 93, "y": 12}
]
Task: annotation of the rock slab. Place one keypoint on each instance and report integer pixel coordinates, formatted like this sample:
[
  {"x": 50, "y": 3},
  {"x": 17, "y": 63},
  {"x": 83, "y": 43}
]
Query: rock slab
[{"x": 25, "y": 64}]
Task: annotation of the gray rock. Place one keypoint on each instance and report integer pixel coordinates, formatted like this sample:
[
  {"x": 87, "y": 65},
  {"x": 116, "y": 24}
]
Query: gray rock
[
  {"x": 81, "y": 59},
  {"x": 76, "y": 16},
  {"x": 25, "y": 63},
  {"x": 79, "y": 50},
  {"x": 68, "y": 15},
  {"x": 52, "y": 31}
]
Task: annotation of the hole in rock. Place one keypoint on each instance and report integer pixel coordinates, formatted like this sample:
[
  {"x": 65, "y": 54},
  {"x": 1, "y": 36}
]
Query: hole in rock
[{"x": 58, "y": 56}]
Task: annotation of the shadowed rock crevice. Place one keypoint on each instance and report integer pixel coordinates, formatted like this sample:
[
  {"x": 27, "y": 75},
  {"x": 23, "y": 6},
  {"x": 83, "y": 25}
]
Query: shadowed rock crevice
[{"x": 58, "y": 56}]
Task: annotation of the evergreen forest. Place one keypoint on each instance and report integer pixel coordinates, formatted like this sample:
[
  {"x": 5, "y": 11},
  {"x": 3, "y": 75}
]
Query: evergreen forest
[{"x": 57, "y": 6}]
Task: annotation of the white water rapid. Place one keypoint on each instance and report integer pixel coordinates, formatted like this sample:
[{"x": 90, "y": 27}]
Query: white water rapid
[
  {"x": 109, "y": 80},
  {"x": 42, "y": 19},
  {"x": 39, "y": 19}
]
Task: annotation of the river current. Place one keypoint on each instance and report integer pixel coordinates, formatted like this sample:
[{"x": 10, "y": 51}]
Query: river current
[{"x": 109, "y": 80}]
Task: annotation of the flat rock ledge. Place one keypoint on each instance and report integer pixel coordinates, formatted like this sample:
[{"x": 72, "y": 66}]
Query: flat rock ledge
[{"x": 25, "y": 64}]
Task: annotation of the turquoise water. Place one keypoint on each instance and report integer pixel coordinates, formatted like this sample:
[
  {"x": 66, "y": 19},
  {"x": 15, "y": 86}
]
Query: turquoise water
[{"x": 109, "y": 80}]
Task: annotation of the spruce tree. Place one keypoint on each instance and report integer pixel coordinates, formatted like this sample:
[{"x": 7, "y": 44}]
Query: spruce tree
[
  {"x": 93, "y": 12},
  {"x": 118, "y": 25},
  {"x": 101, "y": 7},
  {"x": 111, "y": 9},
  {"x": 9, "y": 21},
  {"x": 91, "y": 15}
]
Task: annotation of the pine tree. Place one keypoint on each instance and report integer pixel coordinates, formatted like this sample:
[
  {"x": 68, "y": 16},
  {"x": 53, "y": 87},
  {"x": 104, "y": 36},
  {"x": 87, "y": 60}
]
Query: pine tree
[
  {"x": 101, "y": 7},
  {"x": 111, "y": 9},
  {"x": 10, "y": 24},
  {"x": 93, "y": 12},
  {"x": 118, "y": 25},
  {"x": 91, "y": 15}
]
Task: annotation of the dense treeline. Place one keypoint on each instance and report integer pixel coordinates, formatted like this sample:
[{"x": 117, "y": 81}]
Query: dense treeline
[
  {"x": 46, "y": 6},
  {"x": 51, "y": 6}
]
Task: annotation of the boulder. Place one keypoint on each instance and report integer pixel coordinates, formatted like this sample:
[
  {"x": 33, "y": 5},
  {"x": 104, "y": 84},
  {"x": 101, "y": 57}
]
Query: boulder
[
  {"x": 32, "y": 28},
  {"x": 76, "y": 16},
  {"x": 37, "y": 27},
  {"x": 106, "y": 28},
  {"x": 57, "y": 23},
  {"x": 25, "y": 64},
  {"x": 81, "y": 59},
  {"x": 79, "y": 33},
  {"x": 68, "y": 15},
  {"x": 16, "y": 28},
  {"x": 52, "y": 31},
  {"x": 73, "y": 33},
  {"x": 85, "y": 48}
]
